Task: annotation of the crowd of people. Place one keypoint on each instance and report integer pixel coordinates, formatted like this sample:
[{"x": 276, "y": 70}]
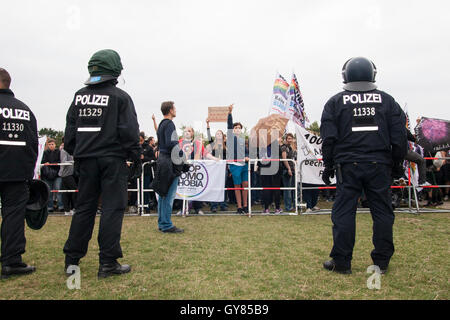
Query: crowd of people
[
  {"x": 214, "y": 147},
  {"x": 437, "y": 173},
  {"x": 102, "y": 131},
  {"x": 58, "y": 172}
]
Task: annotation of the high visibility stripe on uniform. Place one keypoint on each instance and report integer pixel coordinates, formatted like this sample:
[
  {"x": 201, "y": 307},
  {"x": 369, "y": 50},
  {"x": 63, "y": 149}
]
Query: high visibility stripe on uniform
[
  {"x": 365, "y": 128},
  {"x": 13, "y": 143},
  {"x": 89, "y": 129}
]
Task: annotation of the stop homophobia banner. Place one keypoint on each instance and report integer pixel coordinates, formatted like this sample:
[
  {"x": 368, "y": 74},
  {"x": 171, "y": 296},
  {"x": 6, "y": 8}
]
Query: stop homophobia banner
[{"x": 205, "y": 181}]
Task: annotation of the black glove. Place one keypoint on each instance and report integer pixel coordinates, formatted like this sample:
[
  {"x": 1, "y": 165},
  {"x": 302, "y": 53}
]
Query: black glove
[
  {"x": 397, "y": 170},
  {"x": 327, "y": 174},
  {"x": 136, "y": 166}
]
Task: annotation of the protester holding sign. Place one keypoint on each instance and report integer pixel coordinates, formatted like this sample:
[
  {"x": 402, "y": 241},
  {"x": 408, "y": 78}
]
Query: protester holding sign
[
  {"x": 217, "y": 147},
  {"x": 238, "y": 152}
]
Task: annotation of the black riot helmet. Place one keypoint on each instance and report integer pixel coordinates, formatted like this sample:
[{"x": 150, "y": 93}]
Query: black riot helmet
[
  {"x": 359, "y": 74},
  {"x": 36, "y": 210}
]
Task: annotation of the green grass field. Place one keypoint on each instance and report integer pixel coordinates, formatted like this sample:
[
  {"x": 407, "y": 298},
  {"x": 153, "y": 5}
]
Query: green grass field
[{"x": 236, "y": 257}]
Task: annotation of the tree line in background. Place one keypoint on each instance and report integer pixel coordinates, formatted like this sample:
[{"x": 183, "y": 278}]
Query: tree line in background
[{"x": 51, "y": 133}]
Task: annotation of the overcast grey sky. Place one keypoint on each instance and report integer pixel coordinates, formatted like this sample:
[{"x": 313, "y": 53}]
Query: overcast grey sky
[{"x": 213, "y": 53}]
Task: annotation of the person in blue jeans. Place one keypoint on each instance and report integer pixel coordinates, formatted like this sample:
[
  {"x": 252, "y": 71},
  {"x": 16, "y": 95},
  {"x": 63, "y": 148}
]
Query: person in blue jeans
[
  {"x": 239, "y": 153},
  {"x": 288, "y": 171},
  {"x": 165, "y": 205},
  {"x": 50, "y": 173},
  {"x": 167, "y": 172}
]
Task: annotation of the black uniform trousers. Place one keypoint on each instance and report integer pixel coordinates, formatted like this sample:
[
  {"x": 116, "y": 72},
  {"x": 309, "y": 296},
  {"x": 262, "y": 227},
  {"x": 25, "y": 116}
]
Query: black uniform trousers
[
  {"x": 14, "y": 197},
  {"x": 106, "y": 177},
  {"x": 375, "y": 180}
]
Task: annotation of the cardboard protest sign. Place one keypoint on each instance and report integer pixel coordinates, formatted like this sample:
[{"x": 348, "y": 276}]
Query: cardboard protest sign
[{"x": 217, "y": 114}]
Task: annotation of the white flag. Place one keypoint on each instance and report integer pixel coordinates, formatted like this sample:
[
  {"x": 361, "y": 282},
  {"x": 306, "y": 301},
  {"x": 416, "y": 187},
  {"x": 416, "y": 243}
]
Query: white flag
[
  {"x": 37, "y": 168},
  {"x": 309, "y": 151}
]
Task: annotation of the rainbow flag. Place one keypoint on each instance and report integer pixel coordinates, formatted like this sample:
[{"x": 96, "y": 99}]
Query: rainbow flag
[
  {"x": 296, "y": 104},
  {"x": 280, "y": 96},
  {"x": 281, "y": 86}
]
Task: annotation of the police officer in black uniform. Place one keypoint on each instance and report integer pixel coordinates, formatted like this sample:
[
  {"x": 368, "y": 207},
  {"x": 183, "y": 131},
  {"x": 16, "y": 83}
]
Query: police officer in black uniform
[
  {"x": 364, "y": 135},
  {"x": 101, "y": 132},
  {"x": 18, "y": 155}
]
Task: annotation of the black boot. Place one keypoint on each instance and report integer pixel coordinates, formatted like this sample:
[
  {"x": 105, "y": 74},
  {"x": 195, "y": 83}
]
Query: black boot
[
  {"x": 16, "y": 269},
  {"x": 332, "y": 266},
  {"x": 106, "y": 270}
]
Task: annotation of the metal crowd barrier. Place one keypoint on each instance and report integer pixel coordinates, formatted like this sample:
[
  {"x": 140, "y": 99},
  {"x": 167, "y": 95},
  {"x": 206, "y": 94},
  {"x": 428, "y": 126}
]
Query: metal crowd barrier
[
  {"x": 70, "y": 163},
  {"x": 271, "y": 188},
  {"x": 298, "y": 188},
  {"x": 142, "y": 206},
  {"x": 410, "y": 187},
  {"x": 59, "y": 164}
]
